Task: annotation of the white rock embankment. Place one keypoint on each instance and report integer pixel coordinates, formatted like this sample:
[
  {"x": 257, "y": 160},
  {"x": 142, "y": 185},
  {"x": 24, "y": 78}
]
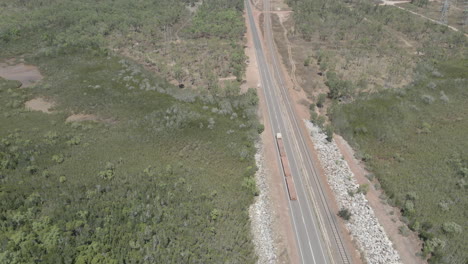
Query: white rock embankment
[
  {"x": 363, "y": 225},
  {"x": 260, "y": 216}
]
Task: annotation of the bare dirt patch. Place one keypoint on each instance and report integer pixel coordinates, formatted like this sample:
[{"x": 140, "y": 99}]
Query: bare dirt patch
[
  {"x": 39, "y": 104},
  {"x": 81, "y": 117},
  {"x": 26, "y": 74},
  {"x": 388, "y": 216},
  {"x": 229, "y": 78},
  {"x": 279, "y": 5}
]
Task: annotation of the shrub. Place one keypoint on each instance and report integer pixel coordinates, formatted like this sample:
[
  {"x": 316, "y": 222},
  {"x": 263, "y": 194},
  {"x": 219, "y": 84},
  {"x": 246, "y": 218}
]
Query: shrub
[
  {"x": 413, "y": 196},
  {"x": 320, "y": 121},
  {"x": 58, "y": 158},
  {"x": 415, "y": 226},
  {"x": 432, "y": 244},
  {"x": 215, "y": 213},
  {"x": 211, "y": 123},
  {"x": 437, "y": 74},
  {"x": 444, "y": 97},
  {"x": 408, "y": 208},
  {"x": 321, "y": 100},
  {"x": 427, "y": 99},
  {"x": 403, "y": 230},
  {"x": 370, "y": 176},
  {"x": 398, "y": 157},
  {"x": 431, "y": 85},
  {"x": 451, "y": 228},
  {"x": 338, "y": 88},
  {"x": 363, "y": 188},
  {"x": 367, "y": 157},
  {"x": 344, "y": 213},
  {"x": 312, "y": 107},
  {"x": 31, "y": 169},
  {"x": 313, "y": 117},
  {"x": 426, "y": 128},
  {"x": 444, "y": 206},
  {"x": 74, "y": 141},
  {"x": 260, "y": 128},
  {"x": 329, "y": 132},
  {"x": 250, "y": 185},
  {"x": 108, "y": 173},
  {"x": 46, "y": 174},
  {"x": 462, "y": 184}
]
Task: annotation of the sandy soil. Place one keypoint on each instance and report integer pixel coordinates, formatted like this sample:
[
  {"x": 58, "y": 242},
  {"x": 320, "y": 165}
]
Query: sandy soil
[
  {"x": 81, "y": 117},
  {"x": 26, "y": 74},
  {"x": 39, "y": 104},
  {"x": 407, "y": 247},
  {"x": 285, "y": 242}
]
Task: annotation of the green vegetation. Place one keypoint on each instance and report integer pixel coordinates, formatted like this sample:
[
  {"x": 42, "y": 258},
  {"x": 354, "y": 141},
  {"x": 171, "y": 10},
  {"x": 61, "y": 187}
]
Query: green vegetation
[
  {"x": 182, "y": 40},
  {"x": 398, "y": 86},
  {"x": 163, "y": 175},
  {"x": 344, "y": 213},
  {"x": 417, "y": 148},
  {"x": 366, "y": 47}
]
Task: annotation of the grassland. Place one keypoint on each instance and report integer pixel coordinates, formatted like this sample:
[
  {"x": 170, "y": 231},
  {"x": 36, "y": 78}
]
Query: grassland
[
  {"x": 414, "y": 141},
  {"x": 163, "y": 175}
]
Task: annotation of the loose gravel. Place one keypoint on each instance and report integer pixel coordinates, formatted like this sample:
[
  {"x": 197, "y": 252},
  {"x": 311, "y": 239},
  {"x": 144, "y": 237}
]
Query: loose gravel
[
  {"x": 260, "y": 216},
  {"x": 363, "y": 225}
]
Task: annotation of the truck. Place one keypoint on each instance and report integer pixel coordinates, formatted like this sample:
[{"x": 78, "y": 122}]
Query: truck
[{"x": 286, "y": 168}]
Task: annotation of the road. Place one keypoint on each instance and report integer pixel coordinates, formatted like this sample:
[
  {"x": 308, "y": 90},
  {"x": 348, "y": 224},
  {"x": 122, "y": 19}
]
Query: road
[{"x": 314, "y": 224}]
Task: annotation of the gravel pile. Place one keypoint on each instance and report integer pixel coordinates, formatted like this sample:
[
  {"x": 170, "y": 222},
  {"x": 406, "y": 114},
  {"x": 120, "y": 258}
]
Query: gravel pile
[
  {"x": 363, "y": 225},
  {"x": 260, "y": 216}
]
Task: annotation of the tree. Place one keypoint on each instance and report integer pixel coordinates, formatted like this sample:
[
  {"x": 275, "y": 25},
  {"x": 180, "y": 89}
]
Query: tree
[
  {"x": 344, "y": 213},
  {"x": 338, "y": 88},
  {"x": 329, "y": 132},
  {"x": 451, "y": 228}
]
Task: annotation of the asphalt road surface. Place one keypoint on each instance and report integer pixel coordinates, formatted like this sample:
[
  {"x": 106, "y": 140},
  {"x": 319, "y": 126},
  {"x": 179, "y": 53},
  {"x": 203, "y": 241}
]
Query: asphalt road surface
[{"x": 314, "y": 224}]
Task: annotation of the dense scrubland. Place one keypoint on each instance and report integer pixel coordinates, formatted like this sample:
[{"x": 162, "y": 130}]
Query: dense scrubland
[
  {"x": 162, "y": 175},
  {"x": 396, "y": 87}
]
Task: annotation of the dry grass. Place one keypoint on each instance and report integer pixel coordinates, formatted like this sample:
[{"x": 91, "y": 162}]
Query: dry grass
[
  {"x": 371, "y": 73},
  {"x": 455, "y": 14}
]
